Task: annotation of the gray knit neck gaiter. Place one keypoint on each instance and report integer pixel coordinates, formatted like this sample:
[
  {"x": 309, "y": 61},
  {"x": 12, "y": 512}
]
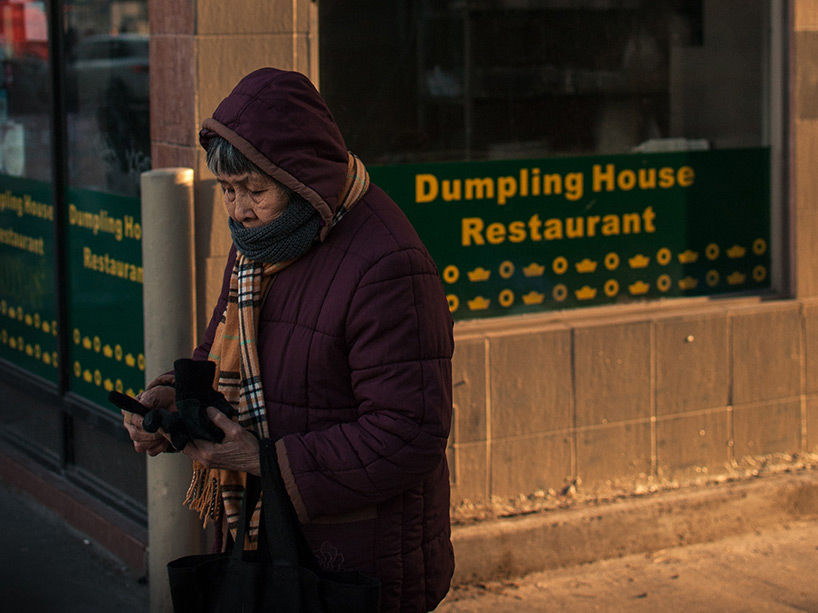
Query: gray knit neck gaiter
[{"x": 285, "y": 238}]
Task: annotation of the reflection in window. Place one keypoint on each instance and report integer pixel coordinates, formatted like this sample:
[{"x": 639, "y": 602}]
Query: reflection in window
[
  {"x": 493, "y": 79},
  {"x": 25, "y": 99},
  {"x": 107, "y": 94}
]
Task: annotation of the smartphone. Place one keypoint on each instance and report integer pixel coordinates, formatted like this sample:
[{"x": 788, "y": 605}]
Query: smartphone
[{"x": 125, "y": 402}]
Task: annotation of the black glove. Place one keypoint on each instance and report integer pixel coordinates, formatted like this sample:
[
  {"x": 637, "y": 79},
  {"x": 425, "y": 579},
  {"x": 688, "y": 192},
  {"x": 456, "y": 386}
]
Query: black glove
[{"x": 194, "y": 393}]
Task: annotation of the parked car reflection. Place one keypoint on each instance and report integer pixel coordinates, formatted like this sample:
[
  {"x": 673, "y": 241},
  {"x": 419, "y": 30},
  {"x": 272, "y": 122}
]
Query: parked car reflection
[
  {"x": 26, "y": 83},
  {"x": 105, "y": 66},
  {"x": 107, "y": 95}
]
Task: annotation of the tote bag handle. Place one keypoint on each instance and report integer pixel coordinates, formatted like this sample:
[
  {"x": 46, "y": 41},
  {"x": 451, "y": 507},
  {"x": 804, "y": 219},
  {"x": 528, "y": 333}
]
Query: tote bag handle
[{"x": 285, "y": 540}]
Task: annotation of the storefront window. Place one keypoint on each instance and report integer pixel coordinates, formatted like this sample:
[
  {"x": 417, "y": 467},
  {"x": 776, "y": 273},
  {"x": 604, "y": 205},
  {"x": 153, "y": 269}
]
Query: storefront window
[
  {"x": 491, "y": 80},
  {"x": 25, "y": 97},
  {"x": 27, "y": 285},
  {"x": 107, "y": 94},
  {"x": 565, "y": 153},
  {"x": 70, "y": 233},
  {"x": 107, "y": 100}
]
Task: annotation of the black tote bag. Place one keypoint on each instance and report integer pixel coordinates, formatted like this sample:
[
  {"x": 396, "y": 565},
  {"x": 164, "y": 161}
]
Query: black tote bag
[{"x": 281, "y": 575}]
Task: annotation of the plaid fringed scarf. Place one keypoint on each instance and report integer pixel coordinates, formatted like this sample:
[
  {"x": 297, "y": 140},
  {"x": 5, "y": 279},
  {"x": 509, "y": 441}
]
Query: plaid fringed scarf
[{"x": 238, "y": 372}]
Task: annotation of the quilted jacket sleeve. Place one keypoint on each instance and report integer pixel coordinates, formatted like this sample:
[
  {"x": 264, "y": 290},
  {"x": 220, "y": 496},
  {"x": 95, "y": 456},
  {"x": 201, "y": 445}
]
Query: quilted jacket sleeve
[{"x": 399, "y": 334}]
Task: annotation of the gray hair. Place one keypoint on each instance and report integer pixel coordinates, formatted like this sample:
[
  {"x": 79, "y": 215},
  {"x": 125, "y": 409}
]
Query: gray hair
[{"x": 224, "y": 159}]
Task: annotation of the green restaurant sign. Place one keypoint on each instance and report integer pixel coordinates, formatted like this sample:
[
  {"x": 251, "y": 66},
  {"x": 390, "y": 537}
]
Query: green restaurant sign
[
  {"x": 522, "y": 236},
  {"x": 104, "y": 251},
  {"x": 103, "y": 259},
  {"x": 509, "y": 237},
  {"x": 28, "y": 318}
]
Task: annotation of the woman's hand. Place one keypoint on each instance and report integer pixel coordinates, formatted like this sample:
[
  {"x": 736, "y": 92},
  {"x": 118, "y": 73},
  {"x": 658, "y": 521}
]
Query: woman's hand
[
  {"x": 167, "y": 380},
  {"x": 159, "y": 394},
  {"x": 238, "y": 450},
  {"x": 152, "y": 443}
]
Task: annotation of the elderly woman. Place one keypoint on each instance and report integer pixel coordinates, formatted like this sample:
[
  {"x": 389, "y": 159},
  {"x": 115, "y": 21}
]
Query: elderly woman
[{"x": 332, "y": 337}]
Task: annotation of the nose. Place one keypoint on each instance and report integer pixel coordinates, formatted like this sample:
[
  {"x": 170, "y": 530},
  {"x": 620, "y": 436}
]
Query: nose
[{"x": 242, "y": 207}]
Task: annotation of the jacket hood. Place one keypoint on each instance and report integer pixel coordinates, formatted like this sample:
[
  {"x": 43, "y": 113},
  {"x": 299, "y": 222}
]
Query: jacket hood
[{"x": 281, "y": 123}]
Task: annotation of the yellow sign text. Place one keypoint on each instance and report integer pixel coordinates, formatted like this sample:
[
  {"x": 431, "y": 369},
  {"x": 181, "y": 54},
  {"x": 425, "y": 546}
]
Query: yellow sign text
[{"x": 475, "y": 231}]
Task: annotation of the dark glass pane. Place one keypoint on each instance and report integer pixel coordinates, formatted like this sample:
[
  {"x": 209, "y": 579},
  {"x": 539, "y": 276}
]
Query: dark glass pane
[
  {"x": 107, "y": 95},
  {"x": 25, "y": 95},
  {"x": 457, "y": 80}
]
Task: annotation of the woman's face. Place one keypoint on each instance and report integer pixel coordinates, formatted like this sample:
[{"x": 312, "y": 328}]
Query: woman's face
[{"x": 252, "y": 200}]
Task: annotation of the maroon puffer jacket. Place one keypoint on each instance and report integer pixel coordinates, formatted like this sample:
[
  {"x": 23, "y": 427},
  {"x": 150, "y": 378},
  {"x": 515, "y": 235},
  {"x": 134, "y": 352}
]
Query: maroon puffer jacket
[{"x": 355, "y": 342}]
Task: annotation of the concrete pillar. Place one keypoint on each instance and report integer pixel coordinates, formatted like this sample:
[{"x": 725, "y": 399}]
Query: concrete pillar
[{"x": 170, "y": 315}]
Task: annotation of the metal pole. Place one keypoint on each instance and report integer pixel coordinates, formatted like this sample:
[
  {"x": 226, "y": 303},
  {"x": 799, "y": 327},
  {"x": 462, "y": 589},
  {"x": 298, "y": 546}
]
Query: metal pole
[
  {"x": 170, "y": 316},
  {"x": 59, "y": 182}
]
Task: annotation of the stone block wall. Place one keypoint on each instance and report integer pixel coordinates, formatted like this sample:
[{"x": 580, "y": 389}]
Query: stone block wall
[{"x": 626, "y": 399}]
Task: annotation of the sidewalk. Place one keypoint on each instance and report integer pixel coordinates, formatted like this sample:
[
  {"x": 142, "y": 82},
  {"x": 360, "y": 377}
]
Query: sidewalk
[
  {"x": 47, "y": 567},
  {"x": 758, "y": 552},
  {"x": 771, "y": 571},
  {"x": 636, "y": 524},
  {"x": 742, "y": 546}
]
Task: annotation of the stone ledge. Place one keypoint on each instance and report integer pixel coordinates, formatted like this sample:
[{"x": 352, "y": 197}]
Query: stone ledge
[{"x": 512, "y": 547}]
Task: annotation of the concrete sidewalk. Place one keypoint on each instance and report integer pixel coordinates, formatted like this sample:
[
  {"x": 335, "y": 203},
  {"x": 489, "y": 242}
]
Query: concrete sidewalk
[
  {"x": 772, "y": 571},
  {"x": 586, "y": 533},
  {"x": 48, "y": 567},
  {"x": 738, "y": 546},
  {"x": 746, "y": 545}
]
